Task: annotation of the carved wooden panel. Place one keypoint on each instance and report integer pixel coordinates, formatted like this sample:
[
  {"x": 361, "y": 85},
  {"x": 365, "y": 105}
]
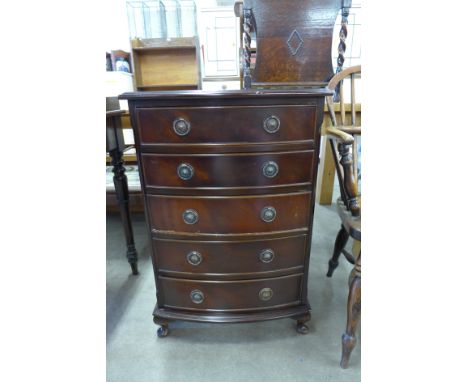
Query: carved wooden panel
[{"x": 293, "y": 38}]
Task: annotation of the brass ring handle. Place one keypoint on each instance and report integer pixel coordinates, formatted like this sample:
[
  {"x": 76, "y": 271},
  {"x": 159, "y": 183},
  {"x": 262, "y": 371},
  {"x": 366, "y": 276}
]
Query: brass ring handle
[
  {"x": 268, "y": 214},
  {"x": 270, "y": 169},
  {"x": 197, "y": 296},
  {"x": 271, "y": 124},
  {"x": 194, "y": 258},
  {"x": 185, "y": 171},
  {"x": 181, "y": 126},
  {"x": 265, "y": 294},
  {"x": 190, "y": 216},
  {"x": 266, "y": 256}
]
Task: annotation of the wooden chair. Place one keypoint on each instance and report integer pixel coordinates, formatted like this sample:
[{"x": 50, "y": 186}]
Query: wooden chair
[
  {"x": 344, "y": 149},
  {"x": 288, "y": 43}
]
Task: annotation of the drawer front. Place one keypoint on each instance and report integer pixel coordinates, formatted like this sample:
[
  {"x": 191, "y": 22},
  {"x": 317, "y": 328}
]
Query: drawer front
[
  {"x": 229, "y": 215},
  {"x": 227, "y": 258},
  {"x": 229, "y": 170},
  {"x": 228, "y": 124},
  {"x": 231, "y": 295}
]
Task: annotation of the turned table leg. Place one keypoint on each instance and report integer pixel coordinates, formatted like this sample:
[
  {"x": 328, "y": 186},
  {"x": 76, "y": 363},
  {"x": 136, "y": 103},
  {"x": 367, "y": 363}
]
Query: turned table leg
[
  {"x": 354, "y": 313},
  {"x": 121, "y": 189}
]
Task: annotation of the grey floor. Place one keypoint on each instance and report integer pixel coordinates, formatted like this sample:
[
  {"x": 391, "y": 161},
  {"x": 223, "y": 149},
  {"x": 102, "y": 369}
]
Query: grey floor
[{"x": 264, "y": 351}]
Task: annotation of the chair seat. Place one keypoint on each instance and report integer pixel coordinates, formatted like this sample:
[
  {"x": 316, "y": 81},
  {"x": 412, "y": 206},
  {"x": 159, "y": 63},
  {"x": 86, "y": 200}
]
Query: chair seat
[{"x": 351, "y": 223}]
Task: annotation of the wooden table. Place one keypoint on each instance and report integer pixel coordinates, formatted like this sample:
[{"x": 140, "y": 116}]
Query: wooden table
[{"x": 115, "y": 146}]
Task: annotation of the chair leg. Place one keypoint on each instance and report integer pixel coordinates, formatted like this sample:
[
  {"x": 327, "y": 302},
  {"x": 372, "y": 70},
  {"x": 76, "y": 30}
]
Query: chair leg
[
  {"x": 340, "y": 242},
  {"x": 348, "y": 339}
]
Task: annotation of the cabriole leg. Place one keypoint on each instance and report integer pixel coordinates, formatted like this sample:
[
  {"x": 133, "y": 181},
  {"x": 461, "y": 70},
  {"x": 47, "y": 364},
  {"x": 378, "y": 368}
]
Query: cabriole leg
[
  {"x": 301, "y": 327},
  {"x": 163, "y": 329}
]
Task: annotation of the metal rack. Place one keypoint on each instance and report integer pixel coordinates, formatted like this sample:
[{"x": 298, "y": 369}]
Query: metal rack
[{"x": 162, "y": 19}]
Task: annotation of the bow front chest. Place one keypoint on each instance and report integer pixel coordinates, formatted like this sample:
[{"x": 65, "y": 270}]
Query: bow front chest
[{"x": 229, "y": 183}]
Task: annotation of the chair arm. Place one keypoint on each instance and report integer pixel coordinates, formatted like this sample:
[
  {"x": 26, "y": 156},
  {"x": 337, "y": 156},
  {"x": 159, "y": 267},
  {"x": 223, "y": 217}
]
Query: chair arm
[
  {"x": 351, "y": 129},
  {"x": 339, "y": 135},
  {"x": 350, "y": 186},
  {"x": 115, "y": 113}
]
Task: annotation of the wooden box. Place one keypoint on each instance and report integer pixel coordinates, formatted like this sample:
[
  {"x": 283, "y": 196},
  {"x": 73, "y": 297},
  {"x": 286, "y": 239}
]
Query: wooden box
[{"x": 161, "y": 64}]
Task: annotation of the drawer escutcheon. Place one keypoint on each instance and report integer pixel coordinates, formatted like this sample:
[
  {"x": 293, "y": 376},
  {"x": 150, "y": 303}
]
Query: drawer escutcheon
[
  {"x": 267, "y": 256},
  {"x": 181, "y": 126},
  {"x": 194, "y": 258},
  {"x": 265, "y": 294},
  {"x": 268, "y": 214},
  {"x": 190, "y": 216},
  {"x": 197, "y": 296},
  {"x": 271, "y": 124},
  {"x": 270, "y": 169},
  {"x": 185, "y": 171}
]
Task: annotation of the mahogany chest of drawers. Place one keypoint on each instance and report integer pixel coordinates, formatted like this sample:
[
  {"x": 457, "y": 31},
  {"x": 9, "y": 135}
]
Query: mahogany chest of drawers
[{"x": 229, "y": 183}]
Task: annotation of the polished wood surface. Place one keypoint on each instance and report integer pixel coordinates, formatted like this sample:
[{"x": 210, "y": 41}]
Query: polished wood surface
[
  {"x": 344, "y": 150},
  {"x": 348, "y": 339},
  {"x": 232, "y": 295},
  {"x": 162, "y": 316},
  {"x": 247, "y": 97},
  {"x": 293, "y": 41},
  {"x": 326, "y": 171},
  {"x": 226, "y": 124},
  {"x": 228, "y": 170},
  {"x": 212, "y": 222},
  {"x": 229, "y": 215},
  {"x": 241, "y": 259}
]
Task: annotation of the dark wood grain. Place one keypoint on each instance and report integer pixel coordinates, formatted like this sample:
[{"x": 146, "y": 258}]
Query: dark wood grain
[
  {"x": 229, "y": 215},
  {"x": 226, "y": 147},
  {"x": 275, "y": 22},
  {"x": 343, "y": 147},
  {"x": 353, "y": 314},
  {"x": 230, "y": 259},
  {"x": 165, "y": 315},
  {"x": 342, "y": 47},
  {"x": 226, "y": 124},
  {"x": 215, "y": 97},
  {"x": 340, "y": 242},
  {"x": 228, "y": 170},
  {"x": 231, "y": 295},
  {"x": 348, "y": 205}
]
